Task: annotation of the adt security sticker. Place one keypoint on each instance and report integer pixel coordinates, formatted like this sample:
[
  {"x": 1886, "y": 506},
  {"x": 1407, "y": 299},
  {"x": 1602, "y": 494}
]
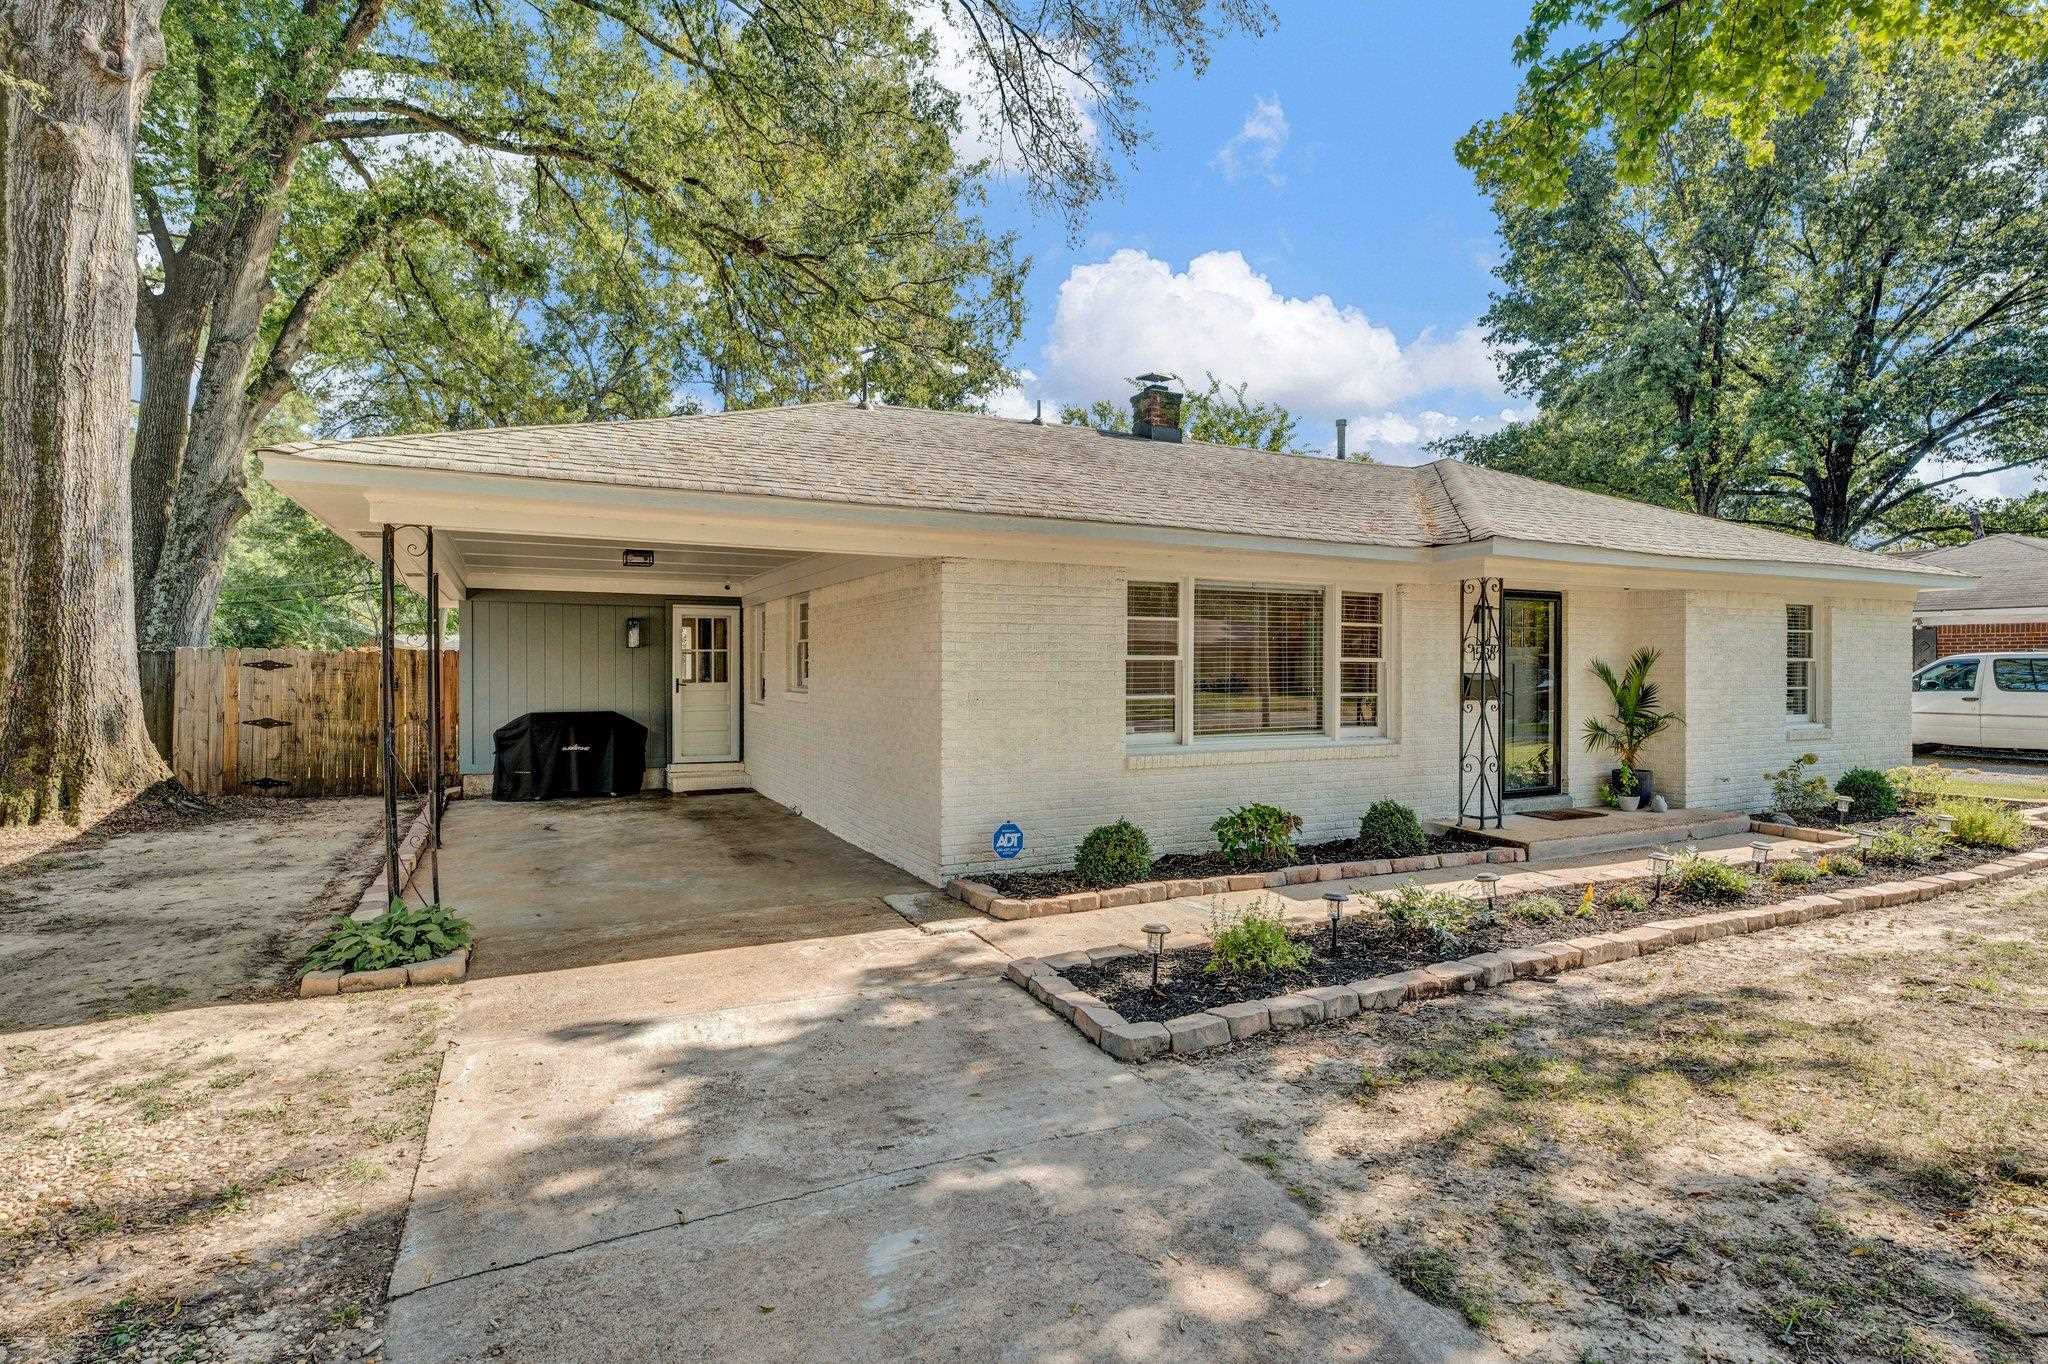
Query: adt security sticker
[{"x": 1009, "y": 841}]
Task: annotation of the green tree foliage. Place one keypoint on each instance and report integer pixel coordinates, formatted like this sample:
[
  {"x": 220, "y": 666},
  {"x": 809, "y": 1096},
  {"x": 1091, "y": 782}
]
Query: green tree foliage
[
  {"x": 1824, "y": 344},
  {"x": 1640, "y": 67},
  {"x": 432, "y": 211},
  {"x": 1221, "y": 414}
]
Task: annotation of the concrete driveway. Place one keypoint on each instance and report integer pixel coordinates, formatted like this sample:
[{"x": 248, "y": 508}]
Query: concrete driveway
[
  {"x": 861, "y": 1148},
  {"x": 553, "y": 884}
]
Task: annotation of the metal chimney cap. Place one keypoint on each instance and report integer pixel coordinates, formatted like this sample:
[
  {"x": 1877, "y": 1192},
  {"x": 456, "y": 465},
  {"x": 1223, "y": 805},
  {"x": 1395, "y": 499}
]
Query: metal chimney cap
[{"x": 1155, "y": 378}]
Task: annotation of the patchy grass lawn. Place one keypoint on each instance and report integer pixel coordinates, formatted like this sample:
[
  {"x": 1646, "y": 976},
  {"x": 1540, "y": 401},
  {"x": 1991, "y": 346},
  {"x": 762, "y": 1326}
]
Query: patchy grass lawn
[
  {"x": 199, "y": 1167},
  {"x": 1822, "y": 1143}
]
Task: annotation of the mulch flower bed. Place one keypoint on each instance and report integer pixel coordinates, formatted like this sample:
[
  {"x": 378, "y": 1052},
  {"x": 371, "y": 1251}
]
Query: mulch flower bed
[
  {"x": 1369, "y": 944},
  {"x": 1028, "y": 885}
]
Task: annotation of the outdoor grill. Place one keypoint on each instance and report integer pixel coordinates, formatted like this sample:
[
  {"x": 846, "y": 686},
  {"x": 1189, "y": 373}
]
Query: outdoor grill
[{"x": 548, "y": 754}]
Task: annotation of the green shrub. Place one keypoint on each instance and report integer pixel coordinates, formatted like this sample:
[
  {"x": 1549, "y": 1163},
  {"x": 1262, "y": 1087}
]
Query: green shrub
[
  {"x": 1870, "y": 792},
  {"x": 1794, "y": 874},
  {"x": 1702, "y": 878},
  {"x": 1905, "y": 847},
  {"x": 1114, "y": 855},
  {"x": 1840, "y": 864},
  {"x": 1627, "y": 900},
  {"x": 1390, "y": 829},
  {"x": 397, "y": 937},
  {"x": 1536, "y": 909},
  {"x": 1796, "y": 790},
  {"x": 1257, "y": 833},
  {"x": 1252, "y": 942},
  {"x": 1920, "y": 785},
  {"x": 1424, "y": 913},
  {"x": 1983, "y": 824}
]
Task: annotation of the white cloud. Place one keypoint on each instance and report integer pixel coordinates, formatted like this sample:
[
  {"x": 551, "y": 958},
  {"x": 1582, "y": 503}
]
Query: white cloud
[
  {"x": 1322, "y": 360},
  {"x": 958, "y": 67},
  {"x": 1257, "y": 144}
]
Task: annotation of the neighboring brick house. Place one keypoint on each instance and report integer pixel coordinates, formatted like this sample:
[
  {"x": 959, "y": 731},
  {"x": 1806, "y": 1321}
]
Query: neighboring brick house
[
  {"x": 2006, "y": 609},
  {"x": 920, "y": 627}
]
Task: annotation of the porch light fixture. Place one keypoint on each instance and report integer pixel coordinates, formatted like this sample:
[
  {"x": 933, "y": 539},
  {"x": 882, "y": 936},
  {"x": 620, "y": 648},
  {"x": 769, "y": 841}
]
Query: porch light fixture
[
  {"x": 637, "y": 558},
  {"x": 1334, "y": 901},
  {"x": 1760, "y": 855},
  {"x": 1489, "y": 886},
  {"x": 1155, "y": 938},
  {"x": 1661, "y": 864},
  {"x": 632, "y": 632}
]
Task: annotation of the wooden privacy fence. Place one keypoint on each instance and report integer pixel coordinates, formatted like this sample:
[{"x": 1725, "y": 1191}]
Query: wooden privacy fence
[{"x": 292, "y": 722}]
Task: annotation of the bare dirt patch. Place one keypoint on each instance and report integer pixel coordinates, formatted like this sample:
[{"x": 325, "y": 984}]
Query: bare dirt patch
[
  {"x": 1821, "y": 1143},
  {"x": 198, "y": 1167}
]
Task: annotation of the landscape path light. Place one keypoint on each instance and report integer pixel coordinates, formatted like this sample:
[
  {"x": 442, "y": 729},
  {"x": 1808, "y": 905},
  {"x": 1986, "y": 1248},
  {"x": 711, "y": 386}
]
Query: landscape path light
[
  {"x": 1760, "y": 855},
  {"x": 1334, "y": 901},
  {"x": 1661, "y": 864},
  {"x": 1489, "y": 886},
  {"x": 1842, "y": 804},
  {"x": 1155, "y": 938},
  {"x": 1944, "y": 821}
]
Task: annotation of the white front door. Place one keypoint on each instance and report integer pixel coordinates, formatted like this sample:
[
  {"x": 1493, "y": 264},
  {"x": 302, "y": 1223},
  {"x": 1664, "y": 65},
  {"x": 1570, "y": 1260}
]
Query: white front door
[{"x": 706, "y": 716}]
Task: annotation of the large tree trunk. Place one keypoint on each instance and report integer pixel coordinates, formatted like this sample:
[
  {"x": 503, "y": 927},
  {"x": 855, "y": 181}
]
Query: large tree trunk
[{"x": 72, "y": 739}]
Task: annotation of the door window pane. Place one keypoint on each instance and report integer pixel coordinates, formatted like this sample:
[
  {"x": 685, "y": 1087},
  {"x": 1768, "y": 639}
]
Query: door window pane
[
  {"x": 1529, "y": 705},
  {"x": 1955, "y": 675},
  {"x": 2020, "y": 674},
  {"x": 1258, "y": 660}
]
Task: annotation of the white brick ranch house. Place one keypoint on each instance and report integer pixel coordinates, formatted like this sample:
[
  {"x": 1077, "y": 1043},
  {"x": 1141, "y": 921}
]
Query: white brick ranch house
[{"x": 916, "y": 627}]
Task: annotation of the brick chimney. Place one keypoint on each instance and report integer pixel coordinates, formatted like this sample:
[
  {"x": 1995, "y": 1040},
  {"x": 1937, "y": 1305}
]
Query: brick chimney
[{"x": 1155, "y": 409}]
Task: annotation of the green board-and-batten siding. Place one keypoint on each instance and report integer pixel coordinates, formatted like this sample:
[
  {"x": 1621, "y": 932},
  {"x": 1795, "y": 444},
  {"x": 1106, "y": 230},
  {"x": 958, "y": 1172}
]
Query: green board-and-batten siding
[{"x": 521, "y": 655}]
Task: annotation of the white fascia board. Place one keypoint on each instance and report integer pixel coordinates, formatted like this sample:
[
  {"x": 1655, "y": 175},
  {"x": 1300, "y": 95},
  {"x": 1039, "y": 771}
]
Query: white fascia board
[
  {"x": 1887, "y": 577},
  {"x": 2001, "y": 615}
]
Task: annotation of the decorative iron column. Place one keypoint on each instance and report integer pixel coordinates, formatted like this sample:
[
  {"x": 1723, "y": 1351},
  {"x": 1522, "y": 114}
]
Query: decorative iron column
[
  {"x": 434, "y": 715},
  {"x": 1482, "y": 651},
  {"x": 387, "y": 689}
]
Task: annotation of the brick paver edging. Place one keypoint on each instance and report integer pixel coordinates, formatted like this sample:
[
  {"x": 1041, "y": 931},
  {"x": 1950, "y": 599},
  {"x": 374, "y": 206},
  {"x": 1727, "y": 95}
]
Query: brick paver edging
[
  {"x": 992, "y": 902},
  {"x": 411, "y": 847},
  {"x": 1199, "y": 1032},
  {"x": 433, "y": 971}
]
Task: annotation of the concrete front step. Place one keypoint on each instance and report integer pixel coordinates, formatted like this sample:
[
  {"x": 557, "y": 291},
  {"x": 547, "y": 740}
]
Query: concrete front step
[{"x": 1714, "y": 824}]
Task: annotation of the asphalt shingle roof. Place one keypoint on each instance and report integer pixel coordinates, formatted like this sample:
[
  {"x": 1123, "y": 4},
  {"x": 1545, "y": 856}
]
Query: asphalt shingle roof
[
  {"x": 968, "y": 462},
  {"x": 2012, "y": 573}
]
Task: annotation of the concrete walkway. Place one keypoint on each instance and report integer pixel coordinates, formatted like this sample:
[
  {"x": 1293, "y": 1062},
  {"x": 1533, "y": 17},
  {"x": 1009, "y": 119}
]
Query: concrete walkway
[{"x": 858, "y": 1148}]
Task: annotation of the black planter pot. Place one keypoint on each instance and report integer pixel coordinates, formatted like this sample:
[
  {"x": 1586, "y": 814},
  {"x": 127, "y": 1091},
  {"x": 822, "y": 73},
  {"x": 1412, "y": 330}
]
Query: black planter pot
[{"x": 1645, "y": 785}]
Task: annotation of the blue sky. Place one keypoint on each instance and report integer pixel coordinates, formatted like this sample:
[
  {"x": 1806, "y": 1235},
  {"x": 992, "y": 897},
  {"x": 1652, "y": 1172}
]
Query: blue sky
[{"x": 1299, "y": 222}]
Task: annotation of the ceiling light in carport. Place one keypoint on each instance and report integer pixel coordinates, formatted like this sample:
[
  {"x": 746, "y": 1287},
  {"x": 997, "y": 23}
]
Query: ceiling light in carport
[{"x": 637, "y": 558}]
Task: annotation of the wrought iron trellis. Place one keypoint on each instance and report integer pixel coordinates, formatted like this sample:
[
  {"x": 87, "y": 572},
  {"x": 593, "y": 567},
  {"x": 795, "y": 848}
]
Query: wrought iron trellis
[
  {"x": 387, "y": 627},
  {"x": 1481, "y": 651}
]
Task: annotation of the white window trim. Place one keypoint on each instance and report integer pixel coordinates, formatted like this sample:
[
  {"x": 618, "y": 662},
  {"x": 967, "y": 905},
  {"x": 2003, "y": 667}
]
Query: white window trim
[
  {"x": 802, "y": 640},
  {"x": 757, "y": 686},
  {"x": 1359, "y": 740}
]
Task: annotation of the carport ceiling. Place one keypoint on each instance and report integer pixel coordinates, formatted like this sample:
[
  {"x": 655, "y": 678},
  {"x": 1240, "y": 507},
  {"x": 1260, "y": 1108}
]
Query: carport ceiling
[{"x": 491, "y": 555}]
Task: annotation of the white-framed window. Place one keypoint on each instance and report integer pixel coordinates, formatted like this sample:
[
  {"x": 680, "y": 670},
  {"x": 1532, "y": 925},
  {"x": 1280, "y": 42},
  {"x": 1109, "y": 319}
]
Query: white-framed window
[
  {"x": 1799, "y": 662},
  {"x": 1258, "y": 664},
  {"x": 800, "y": 643},
  {"x": 1152, "y": 661},
  {"x": 760, "y": 653},
  {"x": 1361, "y": 643}
]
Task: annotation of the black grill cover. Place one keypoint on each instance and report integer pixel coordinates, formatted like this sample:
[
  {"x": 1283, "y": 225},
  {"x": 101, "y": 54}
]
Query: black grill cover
[{"x": 549, "y": 753}]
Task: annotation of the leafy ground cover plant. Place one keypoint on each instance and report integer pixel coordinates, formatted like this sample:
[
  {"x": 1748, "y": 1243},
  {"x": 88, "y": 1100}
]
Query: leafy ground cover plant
[
  {"x": 1435, "y": 914},
  {"x": 1114, "y": 855},
  {"x": 1702, "y": 878},
  {"x": 1390, "y": 829},
  {"x": 1905, "y": 847},
  {"x": 1794, "y": 873},
  {"x": 1536, "y": 909},
  {"x": 1252, "y": 942},
  {"x": 1981, "y": 824},
  {"x": 400, "y": 935},
  {"x": 1255, "y": 833},
  {"x": 1627, "y": 900},
  {"x": 1871, "y": 793},
  {"x": 1840, "y": 864},
  {"x": 1797, "y": 790}
]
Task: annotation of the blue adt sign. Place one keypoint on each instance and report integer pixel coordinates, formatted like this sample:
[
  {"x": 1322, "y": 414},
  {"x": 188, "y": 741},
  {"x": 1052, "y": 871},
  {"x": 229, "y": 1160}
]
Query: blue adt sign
[{"x": 1009, "y": 841}]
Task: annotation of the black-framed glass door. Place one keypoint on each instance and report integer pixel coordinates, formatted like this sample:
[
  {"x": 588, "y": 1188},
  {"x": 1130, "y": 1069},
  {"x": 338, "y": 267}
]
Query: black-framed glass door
[{"x": 1531, "y": 759}]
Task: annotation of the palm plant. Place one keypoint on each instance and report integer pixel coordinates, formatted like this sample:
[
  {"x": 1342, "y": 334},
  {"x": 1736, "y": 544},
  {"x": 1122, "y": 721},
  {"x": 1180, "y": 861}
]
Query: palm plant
[{"x": 1639, "y": 715}]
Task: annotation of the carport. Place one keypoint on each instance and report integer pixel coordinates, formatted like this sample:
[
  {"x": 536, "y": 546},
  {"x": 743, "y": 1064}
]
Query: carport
[{"x": 567, "y": 883}]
